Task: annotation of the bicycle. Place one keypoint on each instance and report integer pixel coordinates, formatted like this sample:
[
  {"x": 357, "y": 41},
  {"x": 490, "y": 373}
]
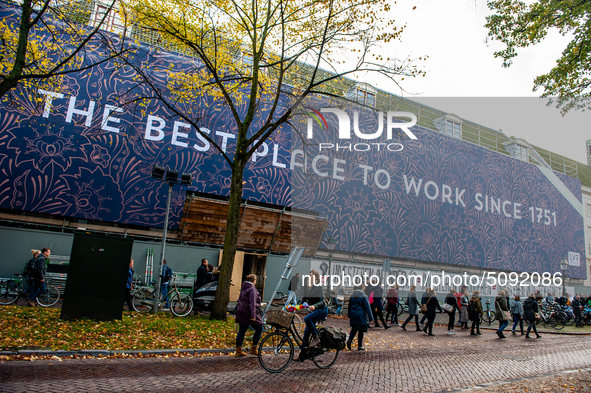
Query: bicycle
[
  {"x": 181, "y": 304},
  {"x": 488, "y": 315},
  {"x": 12, "y": 290},
  {"x": 277, "y": 348}
]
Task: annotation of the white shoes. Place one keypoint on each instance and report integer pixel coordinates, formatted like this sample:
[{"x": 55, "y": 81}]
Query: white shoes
[{"x": 451, "y": 332}]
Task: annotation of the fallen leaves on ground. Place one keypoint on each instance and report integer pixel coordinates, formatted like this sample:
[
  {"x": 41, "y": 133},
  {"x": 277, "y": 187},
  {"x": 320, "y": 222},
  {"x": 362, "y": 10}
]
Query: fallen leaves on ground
[{"x": 41, "y": 328}]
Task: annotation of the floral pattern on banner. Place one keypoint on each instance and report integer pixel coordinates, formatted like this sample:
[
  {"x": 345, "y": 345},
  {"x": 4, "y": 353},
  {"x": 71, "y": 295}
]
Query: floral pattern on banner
[{"x": 441, "y": 220}]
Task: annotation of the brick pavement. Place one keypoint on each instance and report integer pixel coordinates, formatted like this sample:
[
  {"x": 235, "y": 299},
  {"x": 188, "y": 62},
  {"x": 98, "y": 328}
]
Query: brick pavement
[{"x": 395, "y": 361}]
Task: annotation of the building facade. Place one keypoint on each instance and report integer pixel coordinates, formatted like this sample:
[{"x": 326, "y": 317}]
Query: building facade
[{"x": 461, "y": 198}]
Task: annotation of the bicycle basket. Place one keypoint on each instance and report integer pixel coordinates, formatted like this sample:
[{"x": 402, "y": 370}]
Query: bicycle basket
[{"x": 279, "y": 318}]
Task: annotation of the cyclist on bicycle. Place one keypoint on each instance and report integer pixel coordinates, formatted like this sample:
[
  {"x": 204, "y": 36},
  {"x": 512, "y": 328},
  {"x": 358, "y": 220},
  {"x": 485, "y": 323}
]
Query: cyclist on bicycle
[{"x": 317, "y": 308}]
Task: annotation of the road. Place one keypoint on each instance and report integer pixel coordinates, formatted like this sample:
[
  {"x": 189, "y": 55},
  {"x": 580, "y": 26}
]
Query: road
[{"x": 394, "y": 361}]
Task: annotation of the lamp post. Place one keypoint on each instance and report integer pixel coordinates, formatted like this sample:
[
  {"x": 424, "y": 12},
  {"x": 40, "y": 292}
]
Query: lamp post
[
  {"x": 331, "y": 244},
  {"x": 563, "y": 267},
  {"x": 172, "y": 178}
]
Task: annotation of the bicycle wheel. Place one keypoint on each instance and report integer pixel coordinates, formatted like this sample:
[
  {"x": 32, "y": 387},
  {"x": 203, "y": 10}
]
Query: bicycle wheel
[
  {"x": 299, "y": 326},
  {"x": 275, "y": 352},
  {"x": 324, "y": 357},
  {"x": 143, "y": 301},
  {"x": 181, "y": 304},
  {"x": 559, "y": 323},
  {"x": 570, "y": 320},
  {"x": 489, "y": 317},
  {"x": 49, "y": 297},
  {"x": 8, "y": 292},
  {"x": 400, "y": 310}
]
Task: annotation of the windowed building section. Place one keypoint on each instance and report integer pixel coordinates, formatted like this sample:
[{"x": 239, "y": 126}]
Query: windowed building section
[
  {"x": 589, "y": 152},
  {"x": 450, "y": 125}
]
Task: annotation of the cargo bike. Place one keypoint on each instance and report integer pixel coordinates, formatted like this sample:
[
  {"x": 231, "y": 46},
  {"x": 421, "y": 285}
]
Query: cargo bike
[{"x": 276, "y": 350}]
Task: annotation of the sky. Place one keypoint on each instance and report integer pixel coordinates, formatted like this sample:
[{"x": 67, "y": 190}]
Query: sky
[{"x": 463, "y": 76}]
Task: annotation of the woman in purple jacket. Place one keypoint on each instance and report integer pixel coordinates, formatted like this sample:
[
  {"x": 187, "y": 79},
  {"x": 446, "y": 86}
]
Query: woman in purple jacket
[{"x": 248, "y": 314}]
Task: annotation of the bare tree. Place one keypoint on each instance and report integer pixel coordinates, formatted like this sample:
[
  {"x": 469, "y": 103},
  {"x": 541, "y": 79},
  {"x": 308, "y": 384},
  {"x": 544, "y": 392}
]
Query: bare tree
[{"x": 260, "y": 59}]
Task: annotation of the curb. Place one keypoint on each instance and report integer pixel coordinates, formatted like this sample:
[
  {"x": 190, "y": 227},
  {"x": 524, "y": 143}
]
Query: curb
[{"x": 106, "y": 353}]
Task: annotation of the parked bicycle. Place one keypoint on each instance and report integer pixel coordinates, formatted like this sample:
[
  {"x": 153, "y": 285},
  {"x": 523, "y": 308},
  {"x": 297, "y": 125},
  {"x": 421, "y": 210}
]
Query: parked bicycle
[
  {"x": 276, "y": 349},
  {"x": 488, "y": 315},
  {"x": 13, "y": 290},
  {"x": 181, "y": 304}
]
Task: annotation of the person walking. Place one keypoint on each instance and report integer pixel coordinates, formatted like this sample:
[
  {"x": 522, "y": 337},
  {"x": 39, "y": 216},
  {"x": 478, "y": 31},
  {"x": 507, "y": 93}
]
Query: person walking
[
  {"x": 500, "y": 306},
  {"x": 40, "y": 271},
  {"x": 464, "y": 301},
  {"x": 530, "y": 308},
  {"x": 165, "y": 278},
  {"x": 249, "y": 313},
  {"x": 577, "y": 308},
  {"x": 294, "y": 285},
  {"x": 458, "y": 295},
  {"x": 29, "y": 272},
  {"x": 360, "y": 316},
  {"x": 129, "y": 286},
  {"x": 377, "y": 307},
  {"x": 340, "y": 300},
  {"x": 392, "y": 299},
  {"x": 517, "y": 313},
  {"x": 432, "y": 305},
  {"x": 475, "y": 312},
  {"x": 413, "y": 309},
  {"x": 424, "y": 298},
  {"x": 452, "y": 304}
]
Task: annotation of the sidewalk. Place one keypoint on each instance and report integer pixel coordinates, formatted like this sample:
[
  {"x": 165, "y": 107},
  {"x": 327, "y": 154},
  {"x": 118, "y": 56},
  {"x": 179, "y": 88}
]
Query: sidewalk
[{"x": 395, "y": 361}]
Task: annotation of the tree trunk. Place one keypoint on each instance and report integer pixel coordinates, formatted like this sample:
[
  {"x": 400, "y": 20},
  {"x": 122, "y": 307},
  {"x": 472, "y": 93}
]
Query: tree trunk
[
  {"x": 222, "y": 296},
  {"x": 11, "y": 81}
]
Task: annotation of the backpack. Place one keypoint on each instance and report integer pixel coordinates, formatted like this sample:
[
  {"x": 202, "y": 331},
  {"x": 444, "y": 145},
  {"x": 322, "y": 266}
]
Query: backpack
[
  {"x": 332, "y": 337},
  {"x": 166, "y": 274},
  {"x": 29, "y": 270},
  {"x": 471, "y": 310}
]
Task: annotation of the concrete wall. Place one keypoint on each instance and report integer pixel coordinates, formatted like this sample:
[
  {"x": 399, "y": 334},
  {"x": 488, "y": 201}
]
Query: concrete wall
[{"x": 16, "y": 244}]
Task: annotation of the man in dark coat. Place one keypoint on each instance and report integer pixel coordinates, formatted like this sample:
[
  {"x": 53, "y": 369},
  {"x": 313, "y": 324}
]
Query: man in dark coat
[
  {"x": 360, "y": 316},
  {"x": 577, "y": 307},
  {"x": 40, "y": 271},
  {"x": 201, "y": 274},
  {"x": 248, "y": 314},
  {"x": 377, "y": 307}
]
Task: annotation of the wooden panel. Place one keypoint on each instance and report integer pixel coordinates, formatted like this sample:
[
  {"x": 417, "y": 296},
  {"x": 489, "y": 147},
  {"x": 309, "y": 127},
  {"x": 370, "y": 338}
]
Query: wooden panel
[
  {"x": 262, "y": 229},
  {"x": 236, "y": 274}
]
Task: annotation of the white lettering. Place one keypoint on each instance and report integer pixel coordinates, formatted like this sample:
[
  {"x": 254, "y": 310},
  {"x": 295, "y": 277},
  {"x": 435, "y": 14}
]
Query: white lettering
[
  {"x": 150, "y": 127},
  {"x": 275, "y": 156},
  {"x": 315, "y": 168},
  {"x": 49, "y": 96},
  {"x": 375, "y": 179},
  {"x": 73, "y": 111},
  {"x": 206, "y": 144},
  {"x": 431, "y": 197},
  {"x": 176, "y": 134},
  {"x": 337, "y": 169},
  {"x": 412, "y": 184},
  {"x": 225, "y": 137},
  {"x": 107, "y": 118}
]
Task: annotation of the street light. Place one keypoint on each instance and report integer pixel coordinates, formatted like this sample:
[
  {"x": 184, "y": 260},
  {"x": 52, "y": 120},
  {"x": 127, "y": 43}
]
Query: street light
[
  {"x": 172, "y": 178},
  {"x": 563, "y": 267},
  {"x": 331, "y": 244}
]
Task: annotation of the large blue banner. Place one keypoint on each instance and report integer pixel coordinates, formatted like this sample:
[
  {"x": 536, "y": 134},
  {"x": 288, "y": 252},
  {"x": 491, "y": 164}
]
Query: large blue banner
[
  {"x": 87, "y": 148},
  {"x": 434, "y": 198}
]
